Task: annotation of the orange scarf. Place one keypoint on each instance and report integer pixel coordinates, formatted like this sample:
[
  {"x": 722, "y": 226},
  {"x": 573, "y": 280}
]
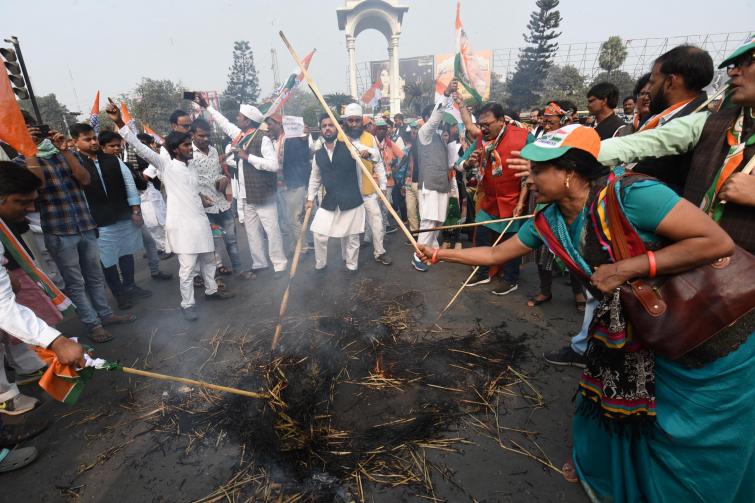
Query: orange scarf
[{"x": 655, "y": 120}]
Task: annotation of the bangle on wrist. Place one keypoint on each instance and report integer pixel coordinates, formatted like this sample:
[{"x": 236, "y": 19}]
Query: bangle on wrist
[
  {"x": 652, "y": 265},
  {"x": 434, "y": 259}
]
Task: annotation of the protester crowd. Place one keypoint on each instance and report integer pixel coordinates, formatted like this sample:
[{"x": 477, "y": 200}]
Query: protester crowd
[{"x": 77, "y": 216}]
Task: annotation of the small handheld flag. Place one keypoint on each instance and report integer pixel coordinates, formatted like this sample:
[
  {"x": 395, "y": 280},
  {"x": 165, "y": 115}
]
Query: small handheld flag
[{"x": 94, "y": 115}]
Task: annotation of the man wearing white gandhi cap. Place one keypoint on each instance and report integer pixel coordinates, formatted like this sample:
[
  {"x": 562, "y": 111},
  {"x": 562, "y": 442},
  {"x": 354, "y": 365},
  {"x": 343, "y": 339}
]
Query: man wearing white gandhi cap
[
  {"x": 258, "y": 166},
  {"x": 368, "y": 149}
]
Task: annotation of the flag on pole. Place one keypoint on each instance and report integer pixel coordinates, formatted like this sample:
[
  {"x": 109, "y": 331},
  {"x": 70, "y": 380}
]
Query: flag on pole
[
  {"x": 94, "y": 115},
  {"x": 12, "y": 126},
  {"x": 62, "y": 382},
  {"x": 130, "y": 122},
  {"x": 466, "y": 69},
  {"x": 371, "y": 97},
  {"x": 148, "y": 130},
  {"x": 283, "y": 92}
]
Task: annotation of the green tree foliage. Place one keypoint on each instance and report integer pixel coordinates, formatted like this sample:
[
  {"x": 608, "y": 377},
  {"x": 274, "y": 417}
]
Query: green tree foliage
[
  {"x": 417, "y": 95},
  {"x": 536, "y": 58},
  {"x": 303, "y": 103},
  {"x": 498, "y": 89},
  {"x": 564, "y": 83},
  {"x": 53, "y": 112},
  {"x": 243, "y": 85},
  {"x": 152, "y": 101},
  {"x": 612, "y": 54},
  {"x": 620, "y": 79},
  {"x": 336, "y": 101}
]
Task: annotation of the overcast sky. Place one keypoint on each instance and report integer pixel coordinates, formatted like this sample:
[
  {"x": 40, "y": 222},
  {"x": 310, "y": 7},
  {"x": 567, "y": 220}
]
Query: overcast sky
[{"x": 75, "y": 47}]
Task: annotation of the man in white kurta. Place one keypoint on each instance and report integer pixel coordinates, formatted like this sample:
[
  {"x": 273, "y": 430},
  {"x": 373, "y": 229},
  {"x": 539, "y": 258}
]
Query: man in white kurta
[
  {"x": 341, "y": 213},
  {"x": 258, "y": 216},
  {"x": 187, "y": 228}
]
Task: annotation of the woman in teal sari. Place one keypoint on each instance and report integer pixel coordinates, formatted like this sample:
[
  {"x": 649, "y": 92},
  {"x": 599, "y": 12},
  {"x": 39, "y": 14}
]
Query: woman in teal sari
[{"x": 646, "y": 428}]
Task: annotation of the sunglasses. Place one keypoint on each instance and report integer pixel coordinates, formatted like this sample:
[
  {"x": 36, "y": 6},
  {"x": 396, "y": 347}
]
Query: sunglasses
[{"x": 741, "y": 62}]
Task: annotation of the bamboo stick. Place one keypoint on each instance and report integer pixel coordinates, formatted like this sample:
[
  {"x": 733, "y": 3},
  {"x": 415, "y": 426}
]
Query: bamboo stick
[
  {"x": 349, "y": 145},
  {"x": 291, "y": 274},
  {"x": 473, "y": 224},
  {"x": 707, "y": 102},
  {"x": 193, "y": 382},
  {"x": 469, "y": 278}
]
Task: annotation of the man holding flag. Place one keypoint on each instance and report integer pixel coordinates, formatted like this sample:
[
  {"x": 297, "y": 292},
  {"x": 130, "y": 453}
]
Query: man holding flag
[{"x": 18, "y": 191}]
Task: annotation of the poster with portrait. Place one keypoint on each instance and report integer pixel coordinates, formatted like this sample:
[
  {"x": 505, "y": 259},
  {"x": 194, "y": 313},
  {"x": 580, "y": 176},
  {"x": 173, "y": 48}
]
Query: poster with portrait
[
  {"x": 444, "y": 72},
  {"x": 411, "y": 70}
]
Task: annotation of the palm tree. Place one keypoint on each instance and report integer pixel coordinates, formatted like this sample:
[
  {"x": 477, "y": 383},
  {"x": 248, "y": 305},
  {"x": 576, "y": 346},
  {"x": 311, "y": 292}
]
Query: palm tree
[{"x": 337, "y": 101}]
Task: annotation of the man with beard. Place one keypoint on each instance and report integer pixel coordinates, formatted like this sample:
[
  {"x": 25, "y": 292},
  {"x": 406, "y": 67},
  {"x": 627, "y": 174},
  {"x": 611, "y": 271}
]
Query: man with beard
[
  {"x": 366, "y": 145},
  {"x": 392, "y": 155},
  {"x": 676, "y": 90},
  {"x": 341, "y": 213},
  {"x": 602, "y": 98},
  {"x": 187, "y": 228},
  {"x": 720, "y": 146},
  {"x": 499, "y": 190}
]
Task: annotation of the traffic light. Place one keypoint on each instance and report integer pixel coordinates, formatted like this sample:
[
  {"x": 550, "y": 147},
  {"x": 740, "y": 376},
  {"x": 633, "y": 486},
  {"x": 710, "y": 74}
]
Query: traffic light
[{"x": 15, "y": 73}]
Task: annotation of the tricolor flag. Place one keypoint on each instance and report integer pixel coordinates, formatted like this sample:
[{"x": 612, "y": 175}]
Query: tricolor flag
[
  {"x": 130, "y": 122},
  {"x": 148, "y": 130},
  {"x": 371, "y": 97},
  {"x": 94, "y": 115},
  {"x": 12, "y": 126},
  {"x": 62, "y": 382},
  {"x": 281, "y": 94},
  {"x": 466, "y": 69}
]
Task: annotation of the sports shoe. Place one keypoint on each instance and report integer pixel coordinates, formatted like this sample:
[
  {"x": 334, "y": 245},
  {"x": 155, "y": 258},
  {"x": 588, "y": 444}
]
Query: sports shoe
[
  {"x": 190, "y": 313},
  {"x": 220, "y": 295},
  {"x": 479, "y": 279},
  {"x": 505, "y": 288},
  {"x": 390, "y": 229},
  {"x": 124, "y": 302},
  {"x": 418, "y": 264},
  {"x": 12, "y": 435},
  {"x": 384, "y": 259},
  {"x": 565, "y": 356},
  {"x": 165, "y": 256},
  {"x": 19, "y": 404}
]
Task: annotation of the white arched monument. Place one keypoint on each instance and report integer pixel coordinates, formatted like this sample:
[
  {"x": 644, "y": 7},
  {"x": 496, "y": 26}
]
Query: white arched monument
[{"x": 384, "y": 16}]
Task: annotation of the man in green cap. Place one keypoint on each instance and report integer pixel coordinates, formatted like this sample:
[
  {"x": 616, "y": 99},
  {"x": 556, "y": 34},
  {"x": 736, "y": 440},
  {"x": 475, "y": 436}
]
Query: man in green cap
[{"x": 721, "y": 145}]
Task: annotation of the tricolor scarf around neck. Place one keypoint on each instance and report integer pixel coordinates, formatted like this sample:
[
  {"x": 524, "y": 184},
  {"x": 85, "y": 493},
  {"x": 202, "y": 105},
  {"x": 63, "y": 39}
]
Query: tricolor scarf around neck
[
  {"x": 244, "y": 138},
  {"x": 733, "y": 162},
  {"x": 490, "y": 154},
  {"x": 660, "y": 119},
  {"x": 22, "y": 257},
  {"x": 618, "y": 383}
]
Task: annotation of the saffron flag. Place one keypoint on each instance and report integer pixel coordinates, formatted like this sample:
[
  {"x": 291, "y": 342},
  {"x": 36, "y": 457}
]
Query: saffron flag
[
  {"x": 12, "y": 126},
  {"x": 466, "y": 68},
  {"x": 371, "y": 97},
  {"x": 148, "y": 130},
  {"x": 130, "y": 122},
  {"x": 94, "y": 115},
  {"x": 283, "y": 92}
]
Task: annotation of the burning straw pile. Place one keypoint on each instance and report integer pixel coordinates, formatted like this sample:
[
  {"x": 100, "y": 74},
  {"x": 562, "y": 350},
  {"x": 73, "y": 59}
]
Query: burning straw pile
[{"x": 359, "y": 398}]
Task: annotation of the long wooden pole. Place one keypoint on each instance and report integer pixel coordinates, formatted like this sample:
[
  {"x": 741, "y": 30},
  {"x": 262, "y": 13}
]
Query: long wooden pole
[
  {"x": 352, "y": 149},
  {"x": 473, "y": 224},
  {"x": 193, "y": 382},
  {"x": 707, "y": 102},
  {"x": 469, "y": 278},
  {"x": 291, "y": 274}
]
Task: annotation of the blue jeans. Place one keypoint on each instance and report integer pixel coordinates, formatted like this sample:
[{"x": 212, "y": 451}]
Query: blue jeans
[
  {"x": 150, "y": 247},
  {"x": 579, "y": 341},
  {"x": 227, "y": 221},
  {"x": 78, "y": 258}
]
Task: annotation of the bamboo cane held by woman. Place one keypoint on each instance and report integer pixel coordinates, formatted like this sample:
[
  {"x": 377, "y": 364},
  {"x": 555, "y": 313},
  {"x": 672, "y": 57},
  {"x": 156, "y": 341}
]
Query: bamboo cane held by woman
[
  {"x": 348, "y": 144},
  {"x": 473, "y": 224},
  {"x": 291, "y": 274}
]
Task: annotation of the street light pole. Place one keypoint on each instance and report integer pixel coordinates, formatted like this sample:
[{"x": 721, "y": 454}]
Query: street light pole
[{"x": 14, "y": 40}]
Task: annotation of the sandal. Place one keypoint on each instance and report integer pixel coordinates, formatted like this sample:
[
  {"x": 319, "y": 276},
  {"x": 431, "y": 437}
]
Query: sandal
[
  {"x": 17, "y": 458},
  {"x": 224, "y": 271},
  {"x": 247, "y": 275},
  {"x": 539, "y": 299},
  {"x": 569, "y": 473}
]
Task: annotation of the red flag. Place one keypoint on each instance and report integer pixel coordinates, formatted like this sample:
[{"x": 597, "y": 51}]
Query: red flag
[{"x": 12, "y": 126}]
